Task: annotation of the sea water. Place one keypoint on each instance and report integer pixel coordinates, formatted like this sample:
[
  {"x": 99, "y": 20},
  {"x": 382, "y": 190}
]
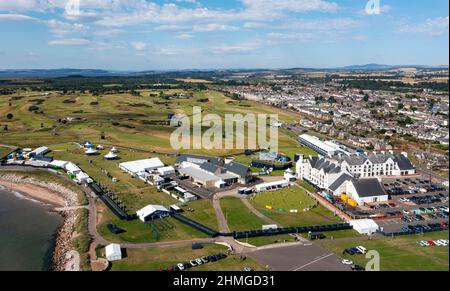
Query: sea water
[{"x": 27, "y": 233}]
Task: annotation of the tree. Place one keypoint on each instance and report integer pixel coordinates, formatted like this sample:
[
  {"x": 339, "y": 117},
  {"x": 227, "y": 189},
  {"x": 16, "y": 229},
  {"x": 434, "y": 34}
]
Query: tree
[{"x": 10, "y": 116}]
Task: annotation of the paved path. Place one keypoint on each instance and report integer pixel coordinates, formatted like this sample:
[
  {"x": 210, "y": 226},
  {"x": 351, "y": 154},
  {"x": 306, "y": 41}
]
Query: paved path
[
  {"x": 62, "y": 209},
  {"x": 223, "y": 224},
  {"x": 73, "y": 263},
  {"x": 257, "y": 213}
]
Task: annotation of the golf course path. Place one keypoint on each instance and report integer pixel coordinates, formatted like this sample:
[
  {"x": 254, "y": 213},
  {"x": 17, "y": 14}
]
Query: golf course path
[{"x": 257, "y": 213}]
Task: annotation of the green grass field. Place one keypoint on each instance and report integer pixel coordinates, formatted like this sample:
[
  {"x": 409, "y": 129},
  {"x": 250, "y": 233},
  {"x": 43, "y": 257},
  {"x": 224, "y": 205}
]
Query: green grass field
[
  {"x": 168, "y": 229},
  {"x": 4, "y": 152},
  {"x": 268, "y": 240},
  {"x": 155, "y": 258},
  {"x": 238, "y": 216},
  {"x": 399, "y": 254},
  {"x": 284, "y": 200},
  {"x": 203, "y": 213}
]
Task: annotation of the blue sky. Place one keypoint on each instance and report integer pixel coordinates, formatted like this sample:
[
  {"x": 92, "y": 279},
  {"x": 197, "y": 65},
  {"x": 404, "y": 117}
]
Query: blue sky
[{"x": 215, "y": 34}]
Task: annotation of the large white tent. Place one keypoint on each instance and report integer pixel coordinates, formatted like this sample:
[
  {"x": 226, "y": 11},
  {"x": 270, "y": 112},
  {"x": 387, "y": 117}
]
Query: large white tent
[
  {"x": 152, "y": 211},
  {"x": 364, "y": 226},
  {"x": 136, "y": 167},
  {"x": 113, "y": 252}
]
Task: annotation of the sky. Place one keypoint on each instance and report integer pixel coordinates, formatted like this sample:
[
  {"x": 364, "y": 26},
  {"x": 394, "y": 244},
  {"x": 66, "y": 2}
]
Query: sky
[{"x": 221, "y": 34}]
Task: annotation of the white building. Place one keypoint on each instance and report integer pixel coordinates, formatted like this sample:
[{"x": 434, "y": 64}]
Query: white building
[
  {"x": 271, "y": 186},
  {"x": 73, "y": 169},
  {"x": 166, "y": 171},
  {"x": 363, "y": 191},
  {"x": 318, "y": 171},
  {"x": 314, "y": 143},
  {"x": 59, "y": 164},
  {"x": 378, "y": 164},
  {"x": 39, "y": 151},
  {"x": 113, "y": 252},
  {"x": 135, "y": 167}
]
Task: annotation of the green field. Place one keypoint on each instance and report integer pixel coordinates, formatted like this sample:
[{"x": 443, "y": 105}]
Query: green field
[
  {"x": 124, "y": 119},
  {"x": 4, "y": 152},
  {"x": 153, "y": 259},
  {"x": 284, "y": 200},
  {"x": 399, "y": 254},
  {"x": 316, "y": 216},
  {"x": 203, "y": 212},
  {"x": 136, "y": 231},
  {"x": 268, "y": 240},
  {"x": 238, "y": 216}
]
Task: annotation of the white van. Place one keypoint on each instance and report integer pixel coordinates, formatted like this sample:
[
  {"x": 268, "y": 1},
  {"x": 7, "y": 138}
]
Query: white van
[{"x": 362, "y": 249}]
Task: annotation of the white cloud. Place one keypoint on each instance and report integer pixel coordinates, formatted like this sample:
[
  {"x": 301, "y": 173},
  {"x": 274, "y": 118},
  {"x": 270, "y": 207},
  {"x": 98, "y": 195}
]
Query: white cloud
[
  {"x": 238, "y": 48},
  {"x": 110, "y": 32},
  {"x": 15, "y": 17},
  {"x": 383, "y": 9},
  {"x": 61, "y": 29},
  {"x": 207, "y": 27},
  {"x": 433, "y": 27},
  {"x": 139, "y": 46},
  {"x": 69, "y": 41},
  {"x": 184, "y": 36}
]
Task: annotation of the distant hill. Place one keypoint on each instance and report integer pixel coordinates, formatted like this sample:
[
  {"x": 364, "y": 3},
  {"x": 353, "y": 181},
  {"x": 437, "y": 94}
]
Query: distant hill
[{"x": 55, "y": 73}]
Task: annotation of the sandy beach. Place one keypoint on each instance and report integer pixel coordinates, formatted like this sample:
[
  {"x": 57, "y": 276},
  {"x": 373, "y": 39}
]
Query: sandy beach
[
  {"x": 55, "y": 195},
  {"x": 36, "y": 192}
]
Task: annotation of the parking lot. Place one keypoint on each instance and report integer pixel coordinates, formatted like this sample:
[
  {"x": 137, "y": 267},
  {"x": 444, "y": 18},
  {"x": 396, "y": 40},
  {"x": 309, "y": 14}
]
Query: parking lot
[
  {"x": 299, "y": 258},
  {"x": 415, "y": 201}
]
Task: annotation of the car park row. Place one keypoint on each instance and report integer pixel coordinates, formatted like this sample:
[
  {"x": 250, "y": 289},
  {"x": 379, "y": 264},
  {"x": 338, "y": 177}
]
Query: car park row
[
  {"x": 196, "y": 262},
  {"x": 432, "y": 243}
]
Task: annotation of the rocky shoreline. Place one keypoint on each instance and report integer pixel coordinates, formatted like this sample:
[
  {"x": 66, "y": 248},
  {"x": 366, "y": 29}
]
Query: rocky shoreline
[{"x": 65, "y": 232}]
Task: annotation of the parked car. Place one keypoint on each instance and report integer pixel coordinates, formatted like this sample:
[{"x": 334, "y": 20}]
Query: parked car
[
  {"x": 348, "y": 251},
  {"x": 193, "y": 263},
  {"x": 180, "y": 267},
  {"x": 199, "y": 261},
  {"x": 362, "y": 249},
  {"x": 358, "y": 268},
  {"x": 347, "y": 262}
]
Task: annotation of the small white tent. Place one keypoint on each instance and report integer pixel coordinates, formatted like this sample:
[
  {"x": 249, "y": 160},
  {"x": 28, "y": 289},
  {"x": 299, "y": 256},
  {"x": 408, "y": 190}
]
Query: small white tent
[
  {"x": 111, "y": 156},
  {"x": 113, "y": 252},
  {"x": 90, "y": 152}
]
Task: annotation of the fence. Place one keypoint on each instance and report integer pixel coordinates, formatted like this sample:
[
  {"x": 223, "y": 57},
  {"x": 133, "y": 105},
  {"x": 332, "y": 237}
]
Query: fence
[
  {"x": 195, "y": 224},
  {"x": 111, "y": 204},
  {"x": 304, "y": 229},
  {"x": 423, "y": 231}
]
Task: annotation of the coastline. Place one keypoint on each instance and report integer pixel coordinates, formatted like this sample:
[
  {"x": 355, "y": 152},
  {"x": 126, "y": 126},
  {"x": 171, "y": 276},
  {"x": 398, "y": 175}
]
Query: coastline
[{"x": 54, "y": 196}]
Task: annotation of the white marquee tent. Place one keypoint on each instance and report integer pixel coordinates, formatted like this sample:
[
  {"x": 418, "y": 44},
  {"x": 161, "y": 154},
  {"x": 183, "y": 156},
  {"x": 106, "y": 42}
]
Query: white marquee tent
[
  {"x": 364, "y": 226},
  {"x": 113, "y": 252}
]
